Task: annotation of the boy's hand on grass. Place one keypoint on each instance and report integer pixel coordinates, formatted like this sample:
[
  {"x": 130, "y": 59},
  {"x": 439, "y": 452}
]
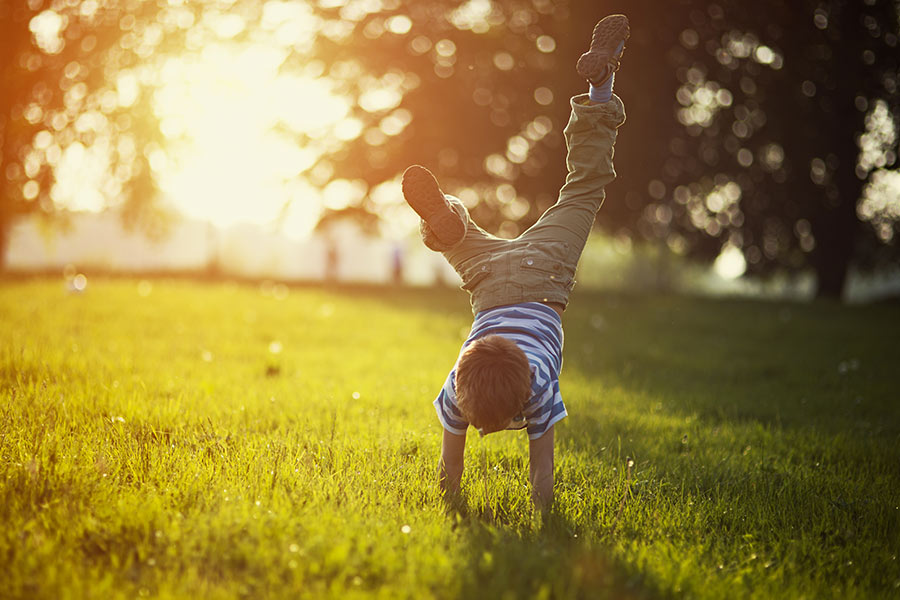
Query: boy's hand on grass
[
  {"x": 541, "y": 471},
  {"x": 450, "y": 467}
]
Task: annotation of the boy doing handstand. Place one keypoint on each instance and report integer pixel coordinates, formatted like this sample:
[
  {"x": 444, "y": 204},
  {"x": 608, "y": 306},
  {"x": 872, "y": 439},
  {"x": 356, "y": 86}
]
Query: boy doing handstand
[{"x": 507, "y": 373}]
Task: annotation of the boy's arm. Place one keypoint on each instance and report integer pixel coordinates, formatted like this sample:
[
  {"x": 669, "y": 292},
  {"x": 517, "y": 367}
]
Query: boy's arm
[
  {"x": 450, "y": 467},
  {"x": 541, "y": 471}
]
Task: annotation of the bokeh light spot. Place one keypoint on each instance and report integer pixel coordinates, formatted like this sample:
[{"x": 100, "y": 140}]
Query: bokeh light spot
[
  {"x": 543, "y": 96},
  {"x": 504, "y": 61},
  {"x": 545, "y": 44},
  {"x": 399, "y": 24}
]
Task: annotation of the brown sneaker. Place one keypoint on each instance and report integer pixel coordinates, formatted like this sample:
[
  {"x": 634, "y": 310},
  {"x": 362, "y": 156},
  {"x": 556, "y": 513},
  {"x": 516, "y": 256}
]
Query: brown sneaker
[
  {"x": 607, "y": 45},
  {"x": 423, "y": 194}
]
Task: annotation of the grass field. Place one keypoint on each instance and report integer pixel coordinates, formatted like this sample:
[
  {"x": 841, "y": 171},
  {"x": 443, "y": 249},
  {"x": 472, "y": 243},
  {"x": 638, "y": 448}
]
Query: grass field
[{"x": 176, "y": 439}]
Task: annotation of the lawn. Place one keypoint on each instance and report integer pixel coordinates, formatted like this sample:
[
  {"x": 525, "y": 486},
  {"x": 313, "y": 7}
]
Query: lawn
[{"x": 172, "y": 439}]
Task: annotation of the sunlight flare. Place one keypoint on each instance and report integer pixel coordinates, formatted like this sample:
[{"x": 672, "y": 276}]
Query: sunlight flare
[{"x": 230, "y": 162}]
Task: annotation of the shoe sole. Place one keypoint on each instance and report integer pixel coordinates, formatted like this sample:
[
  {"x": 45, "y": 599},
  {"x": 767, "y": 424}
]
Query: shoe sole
[
  {"x": 606, "y": 37},
  {"x": 422, "y": 193}
]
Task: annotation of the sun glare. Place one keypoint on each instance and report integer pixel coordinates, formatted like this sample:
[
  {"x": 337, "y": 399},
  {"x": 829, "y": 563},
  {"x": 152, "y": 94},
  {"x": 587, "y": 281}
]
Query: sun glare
[
  {"x": 226, "y": 161},
  {"x": 244, "y": 114}
]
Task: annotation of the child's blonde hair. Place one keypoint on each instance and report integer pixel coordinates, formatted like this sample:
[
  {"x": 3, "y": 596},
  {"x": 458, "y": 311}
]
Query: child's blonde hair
[{"x": 493, "y": 382}]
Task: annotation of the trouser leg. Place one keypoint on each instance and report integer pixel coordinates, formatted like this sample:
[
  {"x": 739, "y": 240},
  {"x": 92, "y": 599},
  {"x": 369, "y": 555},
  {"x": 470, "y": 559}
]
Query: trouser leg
[
  {"x": 476, "y": 240},
  {"x": 590, "y": 139}
]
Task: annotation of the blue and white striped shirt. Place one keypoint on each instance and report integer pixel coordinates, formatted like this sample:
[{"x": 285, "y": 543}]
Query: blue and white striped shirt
[{"x": 537, "y": 330}]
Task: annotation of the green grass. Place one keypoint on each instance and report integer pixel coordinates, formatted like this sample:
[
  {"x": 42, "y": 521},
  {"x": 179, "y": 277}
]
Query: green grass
[{"x": 153, "y": 445}]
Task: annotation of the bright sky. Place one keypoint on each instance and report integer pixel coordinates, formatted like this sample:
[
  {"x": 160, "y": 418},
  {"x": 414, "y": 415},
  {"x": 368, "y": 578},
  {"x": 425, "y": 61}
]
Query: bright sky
[
  {"x": 232, "y": 166},
  {"x": 242, "y": 135}
]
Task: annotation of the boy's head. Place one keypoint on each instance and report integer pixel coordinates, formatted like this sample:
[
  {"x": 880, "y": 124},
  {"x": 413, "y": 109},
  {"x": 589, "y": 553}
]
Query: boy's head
[{"x": 493, "y": 382}]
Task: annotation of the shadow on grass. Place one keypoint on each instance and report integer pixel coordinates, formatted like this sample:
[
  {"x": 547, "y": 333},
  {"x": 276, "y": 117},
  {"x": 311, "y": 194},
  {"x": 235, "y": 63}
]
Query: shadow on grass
[
  {"x": 821, "y": 366},
  {"x": 549, "y": 560},
  {"x": 794, "y": 504}
]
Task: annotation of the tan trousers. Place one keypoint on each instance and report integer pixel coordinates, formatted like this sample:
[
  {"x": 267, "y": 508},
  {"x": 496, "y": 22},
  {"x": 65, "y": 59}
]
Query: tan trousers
[{"x": 539, "y": 265}]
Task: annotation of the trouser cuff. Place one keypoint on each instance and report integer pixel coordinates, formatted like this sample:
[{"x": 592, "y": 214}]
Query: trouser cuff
[{"x": 611, "y": 114}]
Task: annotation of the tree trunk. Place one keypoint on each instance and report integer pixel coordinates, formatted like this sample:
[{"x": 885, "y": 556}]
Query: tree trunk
[
  {"x": 836, "y": 227},
  {"x": 831, "y": 266}
]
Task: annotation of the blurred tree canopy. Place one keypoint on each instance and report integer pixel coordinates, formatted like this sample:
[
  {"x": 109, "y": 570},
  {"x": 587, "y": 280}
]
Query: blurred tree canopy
[
  {"x": 58, "y": 67},
  {"x": 769, "y": 127},
  {"x": 789, "y": 113}
]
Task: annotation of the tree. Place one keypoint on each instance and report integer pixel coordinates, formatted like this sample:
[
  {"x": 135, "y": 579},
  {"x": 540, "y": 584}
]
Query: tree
[
  {"x": 58, "y": 62},
  {"x": 477, "y": 106},
  {"x": 776, "y": 99},
  {"x": 724, "y": 143},
  {"x": 61, "y": 62},
  {"x": 487, "y": 99},
  {"x": 741, "y": 159}
]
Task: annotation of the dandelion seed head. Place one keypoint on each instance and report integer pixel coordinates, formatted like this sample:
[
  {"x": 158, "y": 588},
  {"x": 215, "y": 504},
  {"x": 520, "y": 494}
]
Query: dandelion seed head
[{"x": 79, "y": 283}]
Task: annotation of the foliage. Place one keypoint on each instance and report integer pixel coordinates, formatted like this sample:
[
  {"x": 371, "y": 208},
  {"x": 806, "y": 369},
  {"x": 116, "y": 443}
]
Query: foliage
[
  {"x": 714, "y": 152},
  {"x": 171, "y": 439},
  {"x": 788, "y": 112},
  {"x": 58, "y": 67}
]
